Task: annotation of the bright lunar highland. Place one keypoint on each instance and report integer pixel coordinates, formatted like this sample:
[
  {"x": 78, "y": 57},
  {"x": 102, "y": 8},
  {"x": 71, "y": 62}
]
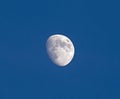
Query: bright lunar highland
[{"x": 60, "y": 49}]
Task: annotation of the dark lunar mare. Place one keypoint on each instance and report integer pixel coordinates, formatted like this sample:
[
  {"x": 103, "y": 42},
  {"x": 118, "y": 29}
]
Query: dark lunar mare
[{"x": 63, "y": 44}]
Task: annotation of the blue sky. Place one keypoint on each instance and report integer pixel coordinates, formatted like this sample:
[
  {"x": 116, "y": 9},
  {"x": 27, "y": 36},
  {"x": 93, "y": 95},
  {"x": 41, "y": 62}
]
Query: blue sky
[{"x": 26, "y": 72}]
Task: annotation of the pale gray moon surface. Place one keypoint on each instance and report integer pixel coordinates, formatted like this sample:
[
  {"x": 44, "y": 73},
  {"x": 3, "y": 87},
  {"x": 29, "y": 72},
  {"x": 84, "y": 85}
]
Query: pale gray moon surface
[{"x": 60, "y": 49}]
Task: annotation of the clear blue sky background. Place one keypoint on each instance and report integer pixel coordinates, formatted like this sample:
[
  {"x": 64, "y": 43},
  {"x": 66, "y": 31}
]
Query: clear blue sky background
[{"x": 26, "y": 72}]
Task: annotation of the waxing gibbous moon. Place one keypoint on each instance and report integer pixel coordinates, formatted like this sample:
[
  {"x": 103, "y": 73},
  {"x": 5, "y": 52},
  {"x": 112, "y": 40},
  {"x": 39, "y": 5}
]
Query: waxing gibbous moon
[{"x": 60, "y": 49}]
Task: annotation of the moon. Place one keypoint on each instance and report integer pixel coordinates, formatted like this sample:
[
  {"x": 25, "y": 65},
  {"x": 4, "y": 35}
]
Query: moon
[{"x": 60, "y": 49}]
